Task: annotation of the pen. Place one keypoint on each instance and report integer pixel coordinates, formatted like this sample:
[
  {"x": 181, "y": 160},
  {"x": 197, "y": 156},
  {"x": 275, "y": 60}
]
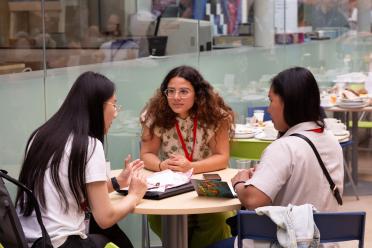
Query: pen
[{"x": 156, "y": 186}]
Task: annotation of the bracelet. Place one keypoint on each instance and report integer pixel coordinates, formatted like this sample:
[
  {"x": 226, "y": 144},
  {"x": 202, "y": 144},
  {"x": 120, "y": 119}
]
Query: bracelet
[
  {"x": 236, "y": 183},
  {"x": 115, "y": 184},
  {"x": 159, "y": 165}
]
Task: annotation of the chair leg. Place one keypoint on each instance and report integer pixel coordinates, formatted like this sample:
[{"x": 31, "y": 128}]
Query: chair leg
[
  {"x": 367, "y": 139},
  {"x": 347, "y": 169},
  {"x": 145, "y": 232},
  {"x": 369, "y": 144}
]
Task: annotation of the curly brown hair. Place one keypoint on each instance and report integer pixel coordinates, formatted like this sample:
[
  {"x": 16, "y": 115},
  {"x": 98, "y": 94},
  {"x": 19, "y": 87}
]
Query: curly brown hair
[{"x": 209, "y": 106}]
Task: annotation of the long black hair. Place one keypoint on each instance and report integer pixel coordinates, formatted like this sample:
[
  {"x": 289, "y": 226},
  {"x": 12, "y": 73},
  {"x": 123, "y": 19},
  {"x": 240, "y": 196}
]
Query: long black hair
[
  {"x": 79, "y": 117},
  {"x": 299, "y": 92}
]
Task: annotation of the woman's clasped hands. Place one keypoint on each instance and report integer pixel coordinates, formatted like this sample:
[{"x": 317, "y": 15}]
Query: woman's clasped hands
[{"x": 176, "y": 163}]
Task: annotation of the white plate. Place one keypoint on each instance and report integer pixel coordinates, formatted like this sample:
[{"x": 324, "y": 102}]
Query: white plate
[
  {"x": 344, "y": 139},
  {"x": 263, "y": 136},
  {"x": 327, "y": 105},
  {"x": 352, "y": 105},
  {"x": 340, "y": 132},
  {"x": 243, "y": 135},
  {"x": 355, "y": 100}
]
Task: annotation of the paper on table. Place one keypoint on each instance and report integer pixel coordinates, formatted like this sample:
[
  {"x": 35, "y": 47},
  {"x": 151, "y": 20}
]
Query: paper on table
[{"x": 162, "y": 180}]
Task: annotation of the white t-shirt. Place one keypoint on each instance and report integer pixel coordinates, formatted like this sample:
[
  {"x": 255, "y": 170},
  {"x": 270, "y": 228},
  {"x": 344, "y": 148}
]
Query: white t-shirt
[
  {"x": 289, "y": 171},
  {"x": 58, "y": 223}
]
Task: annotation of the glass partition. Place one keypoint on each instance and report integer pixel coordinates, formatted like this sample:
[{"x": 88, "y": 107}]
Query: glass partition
[
  {"x": 88, "y": 32},
  {"x": 238, "y": 45}
]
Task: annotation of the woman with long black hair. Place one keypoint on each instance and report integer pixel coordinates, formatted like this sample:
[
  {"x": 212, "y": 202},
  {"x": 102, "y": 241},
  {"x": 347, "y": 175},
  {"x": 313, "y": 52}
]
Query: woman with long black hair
[{"x": 65, "y": 167}]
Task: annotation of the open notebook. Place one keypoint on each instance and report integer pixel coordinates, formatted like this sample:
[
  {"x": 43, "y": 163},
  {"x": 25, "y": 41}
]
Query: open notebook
[
  {"x": 158, "y": 195},
  {"x": 165, "y": 184},
  {"x": 213, "y": 188}
]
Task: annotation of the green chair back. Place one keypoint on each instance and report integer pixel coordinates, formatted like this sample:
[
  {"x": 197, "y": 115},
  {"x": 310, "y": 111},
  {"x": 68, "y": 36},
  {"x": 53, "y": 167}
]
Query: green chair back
[
  {"x": 109, "y": 245},
  {"x": 250, "y": 149}
]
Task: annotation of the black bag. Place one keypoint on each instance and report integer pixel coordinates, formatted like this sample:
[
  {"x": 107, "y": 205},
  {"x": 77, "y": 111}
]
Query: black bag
[{"x": 11, "y": 232}]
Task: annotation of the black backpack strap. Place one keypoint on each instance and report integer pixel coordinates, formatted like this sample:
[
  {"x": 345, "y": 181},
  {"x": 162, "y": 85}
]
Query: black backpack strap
[
  {"x": 332, "y": 185},
  {"x": 46, "y": 239}
]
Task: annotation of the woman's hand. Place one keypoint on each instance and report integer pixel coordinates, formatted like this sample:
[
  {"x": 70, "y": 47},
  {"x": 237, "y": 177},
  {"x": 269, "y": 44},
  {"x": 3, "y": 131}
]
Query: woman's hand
[
  {"x": 138, "y": 185},
  {"x": 178, "y": 163},
  {"x": 129, "y": 168},
  {"x": 243, "y": 175}
]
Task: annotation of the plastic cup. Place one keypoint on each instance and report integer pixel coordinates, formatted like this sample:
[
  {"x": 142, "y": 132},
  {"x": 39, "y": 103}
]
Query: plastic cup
[
  {"x": 243, "y": 164},
  {"x": 333, "y": 99},
  {"x": 259, "y": 115},
  {"x": 249, "y": 120}
]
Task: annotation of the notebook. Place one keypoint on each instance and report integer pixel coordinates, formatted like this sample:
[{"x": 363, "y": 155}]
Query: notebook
[
  {"x": 213, "y": 188},
  {"x": 157, "y": 195}
]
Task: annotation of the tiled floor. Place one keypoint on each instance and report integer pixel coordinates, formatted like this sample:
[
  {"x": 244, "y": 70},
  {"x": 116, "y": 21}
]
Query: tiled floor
[{"x": 365, "y": 202}]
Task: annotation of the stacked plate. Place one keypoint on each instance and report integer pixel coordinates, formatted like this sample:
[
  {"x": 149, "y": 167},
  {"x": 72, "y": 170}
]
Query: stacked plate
[
  {"x": 353, "y": 103},
  {"x": 244, "y": 132},
  {"x": 327, "y": 105},
  {"x": 340, "y": 132},
  {"x": 266, "y": 136}
]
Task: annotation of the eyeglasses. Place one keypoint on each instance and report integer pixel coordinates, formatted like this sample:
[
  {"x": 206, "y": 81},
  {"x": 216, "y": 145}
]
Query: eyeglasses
[
  {"x": 183, "y": 93},
  {"x": 117, "y": 107}
]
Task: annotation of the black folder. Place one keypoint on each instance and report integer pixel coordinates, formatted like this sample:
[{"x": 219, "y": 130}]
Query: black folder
[{"x": 157, "y": 195}]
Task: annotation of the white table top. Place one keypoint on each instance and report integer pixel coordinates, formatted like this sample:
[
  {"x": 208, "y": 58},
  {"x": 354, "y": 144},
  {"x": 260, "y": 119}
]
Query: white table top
[{"x": 187, "y": 203}]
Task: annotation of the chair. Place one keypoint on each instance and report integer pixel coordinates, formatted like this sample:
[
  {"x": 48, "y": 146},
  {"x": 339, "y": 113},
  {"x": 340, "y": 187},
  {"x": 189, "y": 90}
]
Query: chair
[
  {"x": 368, "y": 126},
  {"x": 248, "y": 149},
  {"x": 11, "y": 232},
  {"x": 333, "y": 227},
  {"x": 346, "y": 145},
  {"x": 365, "y": 123}
]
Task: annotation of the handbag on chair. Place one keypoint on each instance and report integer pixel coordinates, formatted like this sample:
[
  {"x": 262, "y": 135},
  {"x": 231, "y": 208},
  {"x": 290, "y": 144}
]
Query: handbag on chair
[{"x": 11, "y": 232}]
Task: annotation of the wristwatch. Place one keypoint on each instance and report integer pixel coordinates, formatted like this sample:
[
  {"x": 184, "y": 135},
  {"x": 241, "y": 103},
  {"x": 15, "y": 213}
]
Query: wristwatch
[{"x": 115, "y": 184}]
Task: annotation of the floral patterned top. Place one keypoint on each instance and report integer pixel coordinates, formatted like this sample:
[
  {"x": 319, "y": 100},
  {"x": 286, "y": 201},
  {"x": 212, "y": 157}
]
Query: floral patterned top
[{"x": 172, "y": 145}]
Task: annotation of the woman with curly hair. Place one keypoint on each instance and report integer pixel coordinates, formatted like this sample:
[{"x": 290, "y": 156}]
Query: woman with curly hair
[{"x": 186, "y": 125}]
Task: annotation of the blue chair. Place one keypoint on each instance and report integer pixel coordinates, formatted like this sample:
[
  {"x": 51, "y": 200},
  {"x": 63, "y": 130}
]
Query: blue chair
[
  {"x": 267, "y": 116},
  {"x": 333, "y": 227},
  {"x": 345, "y": 145}
]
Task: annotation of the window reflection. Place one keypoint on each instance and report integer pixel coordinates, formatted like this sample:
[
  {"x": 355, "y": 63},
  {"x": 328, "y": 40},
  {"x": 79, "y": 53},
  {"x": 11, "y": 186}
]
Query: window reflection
[{"x": 86, "y": 32}]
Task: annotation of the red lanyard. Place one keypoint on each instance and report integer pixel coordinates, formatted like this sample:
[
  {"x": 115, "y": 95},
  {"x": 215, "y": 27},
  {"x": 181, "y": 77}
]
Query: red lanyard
[
  {"x": 188, "y": 156},
  {"x": 317, "y": 130}
]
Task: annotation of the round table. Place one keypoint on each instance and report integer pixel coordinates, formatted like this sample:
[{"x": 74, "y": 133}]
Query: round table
[
  {"x": 174, "y": 210},
  {"x": 354, "y": 134}
]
